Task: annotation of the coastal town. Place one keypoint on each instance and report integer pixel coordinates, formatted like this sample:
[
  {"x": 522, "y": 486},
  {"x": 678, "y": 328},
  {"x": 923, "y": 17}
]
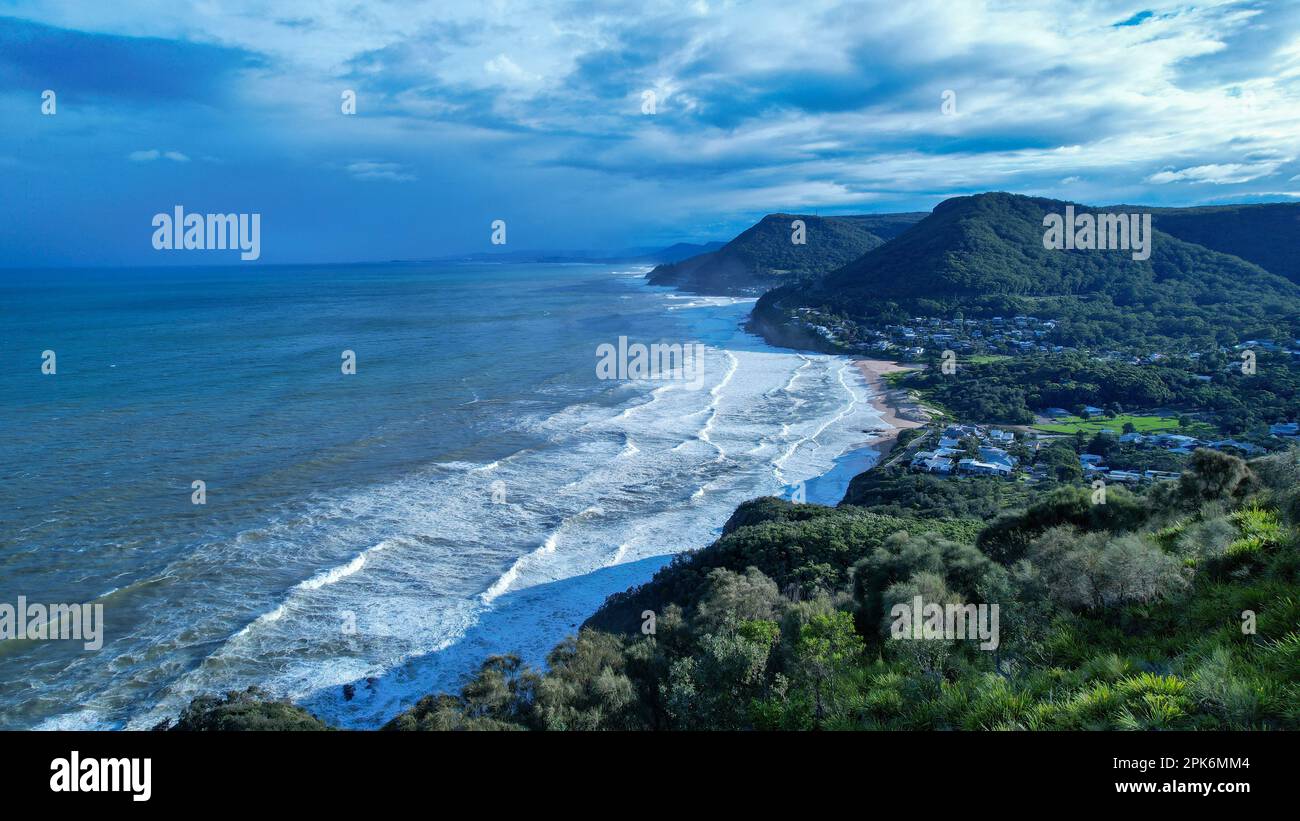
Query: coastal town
[
  {"x": 991, "y": 336},
  {"x": 1089, "y": 442},
  {"x": 979, "y": 450},
  {"x": 1108, "y": 443}
]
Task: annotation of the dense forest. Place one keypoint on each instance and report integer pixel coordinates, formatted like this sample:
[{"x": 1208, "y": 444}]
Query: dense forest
[
  {"x": 1267, "y": 234},
  {"x": 983, "y": 256},
  {"x": 764, "y": 255}
]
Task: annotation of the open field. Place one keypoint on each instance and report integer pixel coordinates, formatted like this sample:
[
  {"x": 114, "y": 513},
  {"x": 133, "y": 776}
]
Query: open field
[{"x": 1143, "y": 424}]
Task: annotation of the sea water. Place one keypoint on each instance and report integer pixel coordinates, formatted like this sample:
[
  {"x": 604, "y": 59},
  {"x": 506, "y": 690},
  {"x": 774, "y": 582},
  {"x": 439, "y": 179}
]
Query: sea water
[{"x": 474, "y": 488}]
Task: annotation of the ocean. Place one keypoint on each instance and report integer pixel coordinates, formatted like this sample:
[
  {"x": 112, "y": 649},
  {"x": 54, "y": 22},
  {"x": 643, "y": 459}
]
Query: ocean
[{"x": 473, "y": 488}]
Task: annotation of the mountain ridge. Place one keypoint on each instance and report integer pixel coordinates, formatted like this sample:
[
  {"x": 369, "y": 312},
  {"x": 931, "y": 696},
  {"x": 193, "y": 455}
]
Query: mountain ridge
[
  {"x": 764, "y": 254},
  {"x": 983, "y": 255}
]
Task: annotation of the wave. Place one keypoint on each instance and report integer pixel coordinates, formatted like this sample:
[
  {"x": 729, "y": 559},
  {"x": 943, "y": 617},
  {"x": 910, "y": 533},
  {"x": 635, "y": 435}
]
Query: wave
[
  {"x": 608, "y": 482},
  {"x": 716, "y": 393},
  {"x": 548, "y": 547},
  {"x": 336, "y": 574}
]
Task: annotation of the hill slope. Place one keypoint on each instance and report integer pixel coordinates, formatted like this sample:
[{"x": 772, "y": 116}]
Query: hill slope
[
  {"x": 983, "y": 255},
  {"x": 764, "y": 255},
  {"x": 1267, "y": 234}
]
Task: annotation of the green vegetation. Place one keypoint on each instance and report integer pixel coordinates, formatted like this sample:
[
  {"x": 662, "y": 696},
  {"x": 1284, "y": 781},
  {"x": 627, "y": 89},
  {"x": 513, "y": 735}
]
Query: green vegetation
[
  {"x": 763, "y": 255},
  {"x": 899, "y": 492},
  {"x": 1122, "y": 616},
  {"x": 1140, "y": 424},
  {"x": 1010, "y": 391},
  {"x": 1173, "y": 609},
  {"x": 983, "y": 255},
  {"x": 250, "y": 710},
  {"x": 1264, "y": 234}
]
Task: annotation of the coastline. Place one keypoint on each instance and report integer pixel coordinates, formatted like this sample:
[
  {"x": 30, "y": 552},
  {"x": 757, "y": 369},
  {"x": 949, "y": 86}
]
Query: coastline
[{"x": 897, "y": 408}]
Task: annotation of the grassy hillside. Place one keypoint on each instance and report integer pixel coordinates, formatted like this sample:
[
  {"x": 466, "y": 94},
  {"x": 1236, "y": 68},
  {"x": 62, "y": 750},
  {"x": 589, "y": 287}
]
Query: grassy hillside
[{"x": 764, "y": 255}]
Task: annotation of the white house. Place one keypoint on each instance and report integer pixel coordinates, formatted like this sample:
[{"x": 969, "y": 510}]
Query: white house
[{"x": 978, "y": 468}]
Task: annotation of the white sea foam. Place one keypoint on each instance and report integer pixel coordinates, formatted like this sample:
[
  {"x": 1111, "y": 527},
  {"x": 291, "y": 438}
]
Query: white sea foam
[{"x": 616, "y": 485}]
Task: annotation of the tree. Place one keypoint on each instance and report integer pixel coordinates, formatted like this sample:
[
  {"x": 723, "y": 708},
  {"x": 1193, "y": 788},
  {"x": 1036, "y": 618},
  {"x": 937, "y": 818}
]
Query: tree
[
  {"x": 1095, "y": 570},
  {"x": 826, "y": 653},
  {"x": 734, "y": 597},
  {"x": 1212, "y": 475}
]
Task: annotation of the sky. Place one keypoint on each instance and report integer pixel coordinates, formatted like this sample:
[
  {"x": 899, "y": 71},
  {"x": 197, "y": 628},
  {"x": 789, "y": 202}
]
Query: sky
[{"x": 538, "y": 114}]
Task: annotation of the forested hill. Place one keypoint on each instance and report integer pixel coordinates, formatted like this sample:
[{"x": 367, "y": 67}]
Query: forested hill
[
  {"x": 764, "y": 255},
  {"x": 984, "y": 255},
  {"x": 1267, "y": 234}
]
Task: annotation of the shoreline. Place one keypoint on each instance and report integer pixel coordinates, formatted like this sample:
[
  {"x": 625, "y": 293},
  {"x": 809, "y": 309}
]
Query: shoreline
[{"x": 897, "y": 408}]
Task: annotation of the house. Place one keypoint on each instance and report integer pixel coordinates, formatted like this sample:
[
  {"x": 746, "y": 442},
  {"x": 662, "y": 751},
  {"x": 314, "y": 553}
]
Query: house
[
  {"x": 1245, "y": 447},
  {"x": 1093, "y": 410},
  {"x": 1086, "y": 459},
  {"x": 996, "y": 456},
  {"x": 1159, "y": 475},
  {"x": 937, "y": 465},
  {"x": 1057, "y": 413},
  {"x": 1285, "y": 429},
  {"x": 1004, "y": 437},
  {"x": 1123, "y": 476},
  {"x": 978, "y": 468},
  {"x": 1134, "y": 438}
]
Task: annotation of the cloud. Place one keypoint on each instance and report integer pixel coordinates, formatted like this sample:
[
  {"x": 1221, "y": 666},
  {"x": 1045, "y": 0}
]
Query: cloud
[
  {"x": 509, "y": 70},
  {"x": 1218, "y": 174},
  {"x": 151, "y": 154},
  {"x": 369, "y": 170},
  {"x": 759, "y": 106},
  {"x": 96, "y": 66}
]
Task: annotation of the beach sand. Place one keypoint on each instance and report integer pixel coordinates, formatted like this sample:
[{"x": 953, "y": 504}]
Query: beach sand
[{"x": 897, "y": 408}]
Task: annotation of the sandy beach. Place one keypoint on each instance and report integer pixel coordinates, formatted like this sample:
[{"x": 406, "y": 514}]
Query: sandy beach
[{"x": 896, "y": 406}]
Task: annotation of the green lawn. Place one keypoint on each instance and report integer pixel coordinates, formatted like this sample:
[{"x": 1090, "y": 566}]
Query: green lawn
[
  {"x": 986, "y": 358},
  {"x": 1143, "y": 424}
]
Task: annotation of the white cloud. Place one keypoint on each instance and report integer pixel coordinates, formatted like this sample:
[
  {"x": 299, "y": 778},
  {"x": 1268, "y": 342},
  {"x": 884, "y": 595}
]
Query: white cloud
[
  {"x": 1218, "y": 174},
  {"x": 370, "y": 170},
  {"x": 509, "y": 70},
  {"x": 767, "y": 97},
  {"x": 151, "y": 154}
]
